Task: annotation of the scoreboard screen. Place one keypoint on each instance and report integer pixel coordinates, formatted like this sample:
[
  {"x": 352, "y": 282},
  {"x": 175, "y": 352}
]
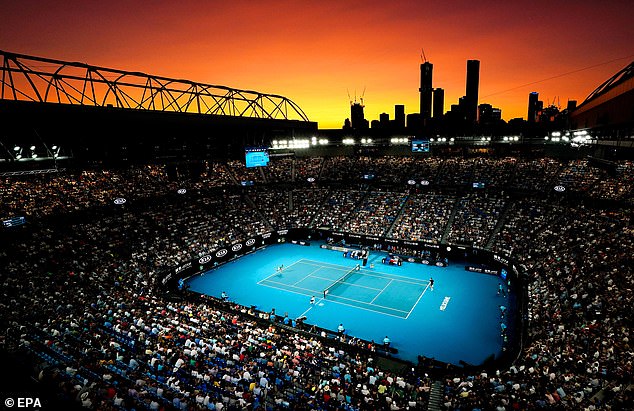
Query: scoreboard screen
[
  {"x": 420, "y": 146},
  {"x": 256, "y": 157},
  {"x": 13, "y": 222}
]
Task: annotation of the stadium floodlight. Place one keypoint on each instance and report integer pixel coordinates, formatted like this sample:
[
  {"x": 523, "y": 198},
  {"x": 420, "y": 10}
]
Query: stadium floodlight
[
  {"x": 452, "y": 139},
  {"x": 18, "y": 157},
  {"x": 32, "y": 148},
  {"x": 16, "y": 148},
  {"x": 505, "y": 138},
  {"x": 33, "y": 155},
  {"x": 546, "y": 138},
  {"x": 363, "y": 141},
  {"x": 54, "y": 148},
  {"x": 431, "y": 140},
  {"x": 556, "y": 134},
  {"x": 348, "y": 141},
  {"x": 323, "y": 141}
]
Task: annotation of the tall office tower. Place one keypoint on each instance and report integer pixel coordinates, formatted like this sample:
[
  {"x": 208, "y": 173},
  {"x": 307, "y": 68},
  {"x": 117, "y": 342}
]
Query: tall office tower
[
  {"x": 358, "y": 121},
  {"x": 572, "y": 105},
  {"x": 399, "y": 117},
  {"x": 439, "y": 102},
  {"x": 471, "y": 95},
  {"x": 425, "y": 89},
  {"x": 533, "y": 98}
]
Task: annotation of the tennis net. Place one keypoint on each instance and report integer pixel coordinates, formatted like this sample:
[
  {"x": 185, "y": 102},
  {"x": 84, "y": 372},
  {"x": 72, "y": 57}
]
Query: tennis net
[{"x": 339, "y": 281}]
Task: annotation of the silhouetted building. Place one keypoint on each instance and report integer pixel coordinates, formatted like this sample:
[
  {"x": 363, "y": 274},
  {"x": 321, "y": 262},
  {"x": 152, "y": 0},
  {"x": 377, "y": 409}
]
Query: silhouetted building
[
  {"x": 572, "y": 104},
  {"x": 414, "y": 123},
  {"x": 488, "y": 115},
  {"x": 399, "y": 117},
  {"x": 471, "y": 96},
  {"x": 439, "y": 102},
  {"x": 425, "y": 89},
  {"x": 357, "y": 118},
  {"x": 533, "y": 100}
]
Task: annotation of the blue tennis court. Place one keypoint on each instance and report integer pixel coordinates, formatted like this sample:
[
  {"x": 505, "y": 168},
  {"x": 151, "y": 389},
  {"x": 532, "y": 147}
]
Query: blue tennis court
[
  {"x": 363, "y": 288},
  {"x": 458, "y": 320}
]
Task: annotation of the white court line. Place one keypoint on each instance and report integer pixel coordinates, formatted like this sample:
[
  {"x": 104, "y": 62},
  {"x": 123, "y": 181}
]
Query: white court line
[
  {"x": 372, "y": 273},
  {"x": 277, "y": 272},
  {"x": 368, "y": 272},
  {"x": 421, "y": 296},
  {"x": 294, "y": 286},
  {"x": 310, "y": 308},
  {"x": 338, "y": 302},
  {"x": 347, "y": 283},
  {"x": 388, "y": 284},
  {"x": 337, "y": 296},
  {"x": 306, "y": 276}
]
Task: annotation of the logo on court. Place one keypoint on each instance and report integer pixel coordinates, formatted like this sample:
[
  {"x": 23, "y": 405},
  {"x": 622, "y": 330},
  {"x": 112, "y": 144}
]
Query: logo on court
[
  {"x": 236, "y": 247},
  {"x": 221, "y": 253},
  {"x": 250, "y": 242},
  {"x": 205, "y": 259},
  {"x": 119, "y": 201},
  {"x": 443, "y": 306}
]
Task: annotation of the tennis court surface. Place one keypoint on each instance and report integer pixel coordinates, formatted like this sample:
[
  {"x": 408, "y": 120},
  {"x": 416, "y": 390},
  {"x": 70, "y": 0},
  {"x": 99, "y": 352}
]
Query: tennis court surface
[
  {"x": 367, "y": 289},
  {"x": 456, "y": 321}
]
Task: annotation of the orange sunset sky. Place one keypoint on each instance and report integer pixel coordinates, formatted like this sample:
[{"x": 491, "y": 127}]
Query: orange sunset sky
[{"x": 314, "y": 52}]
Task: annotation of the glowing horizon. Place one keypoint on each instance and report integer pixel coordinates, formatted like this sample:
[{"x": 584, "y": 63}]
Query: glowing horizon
[{"x": 315, "y": 54}]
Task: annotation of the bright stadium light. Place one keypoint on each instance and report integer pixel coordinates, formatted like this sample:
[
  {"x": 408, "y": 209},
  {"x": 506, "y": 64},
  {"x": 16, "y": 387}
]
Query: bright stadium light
[
  {"x": 16, "y": 148},
  {"x": 505, "y": 138},
  {"x": 323, "y": 141},
  {"x": 54, "y": 148},
  {"x": 348, "y": 141},
  {"x": 516, "y": 138},
  {"x": 32, "y": 148}
]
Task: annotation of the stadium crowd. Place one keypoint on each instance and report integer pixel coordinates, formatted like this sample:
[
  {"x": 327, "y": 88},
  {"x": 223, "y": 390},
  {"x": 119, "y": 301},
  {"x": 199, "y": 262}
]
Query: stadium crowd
[{"x": 80, "y": 291}]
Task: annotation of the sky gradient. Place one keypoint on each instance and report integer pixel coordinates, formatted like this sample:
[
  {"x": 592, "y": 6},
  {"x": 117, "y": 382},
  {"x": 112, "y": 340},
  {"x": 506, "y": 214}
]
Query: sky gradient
[{"x": 314, "y": 53}]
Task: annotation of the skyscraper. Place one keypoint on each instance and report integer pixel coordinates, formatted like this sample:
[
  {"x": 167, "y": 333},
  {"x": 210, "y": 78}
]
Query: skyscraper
[
  {"x": 399, "y": 117},
  {"x": 439, "y": 102},
  {"x": 358, "y": 121},
  {"x": 533, "y": 98},
  {"x": 471, "y": 95},
  {"x": 425, "y": 89}
]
